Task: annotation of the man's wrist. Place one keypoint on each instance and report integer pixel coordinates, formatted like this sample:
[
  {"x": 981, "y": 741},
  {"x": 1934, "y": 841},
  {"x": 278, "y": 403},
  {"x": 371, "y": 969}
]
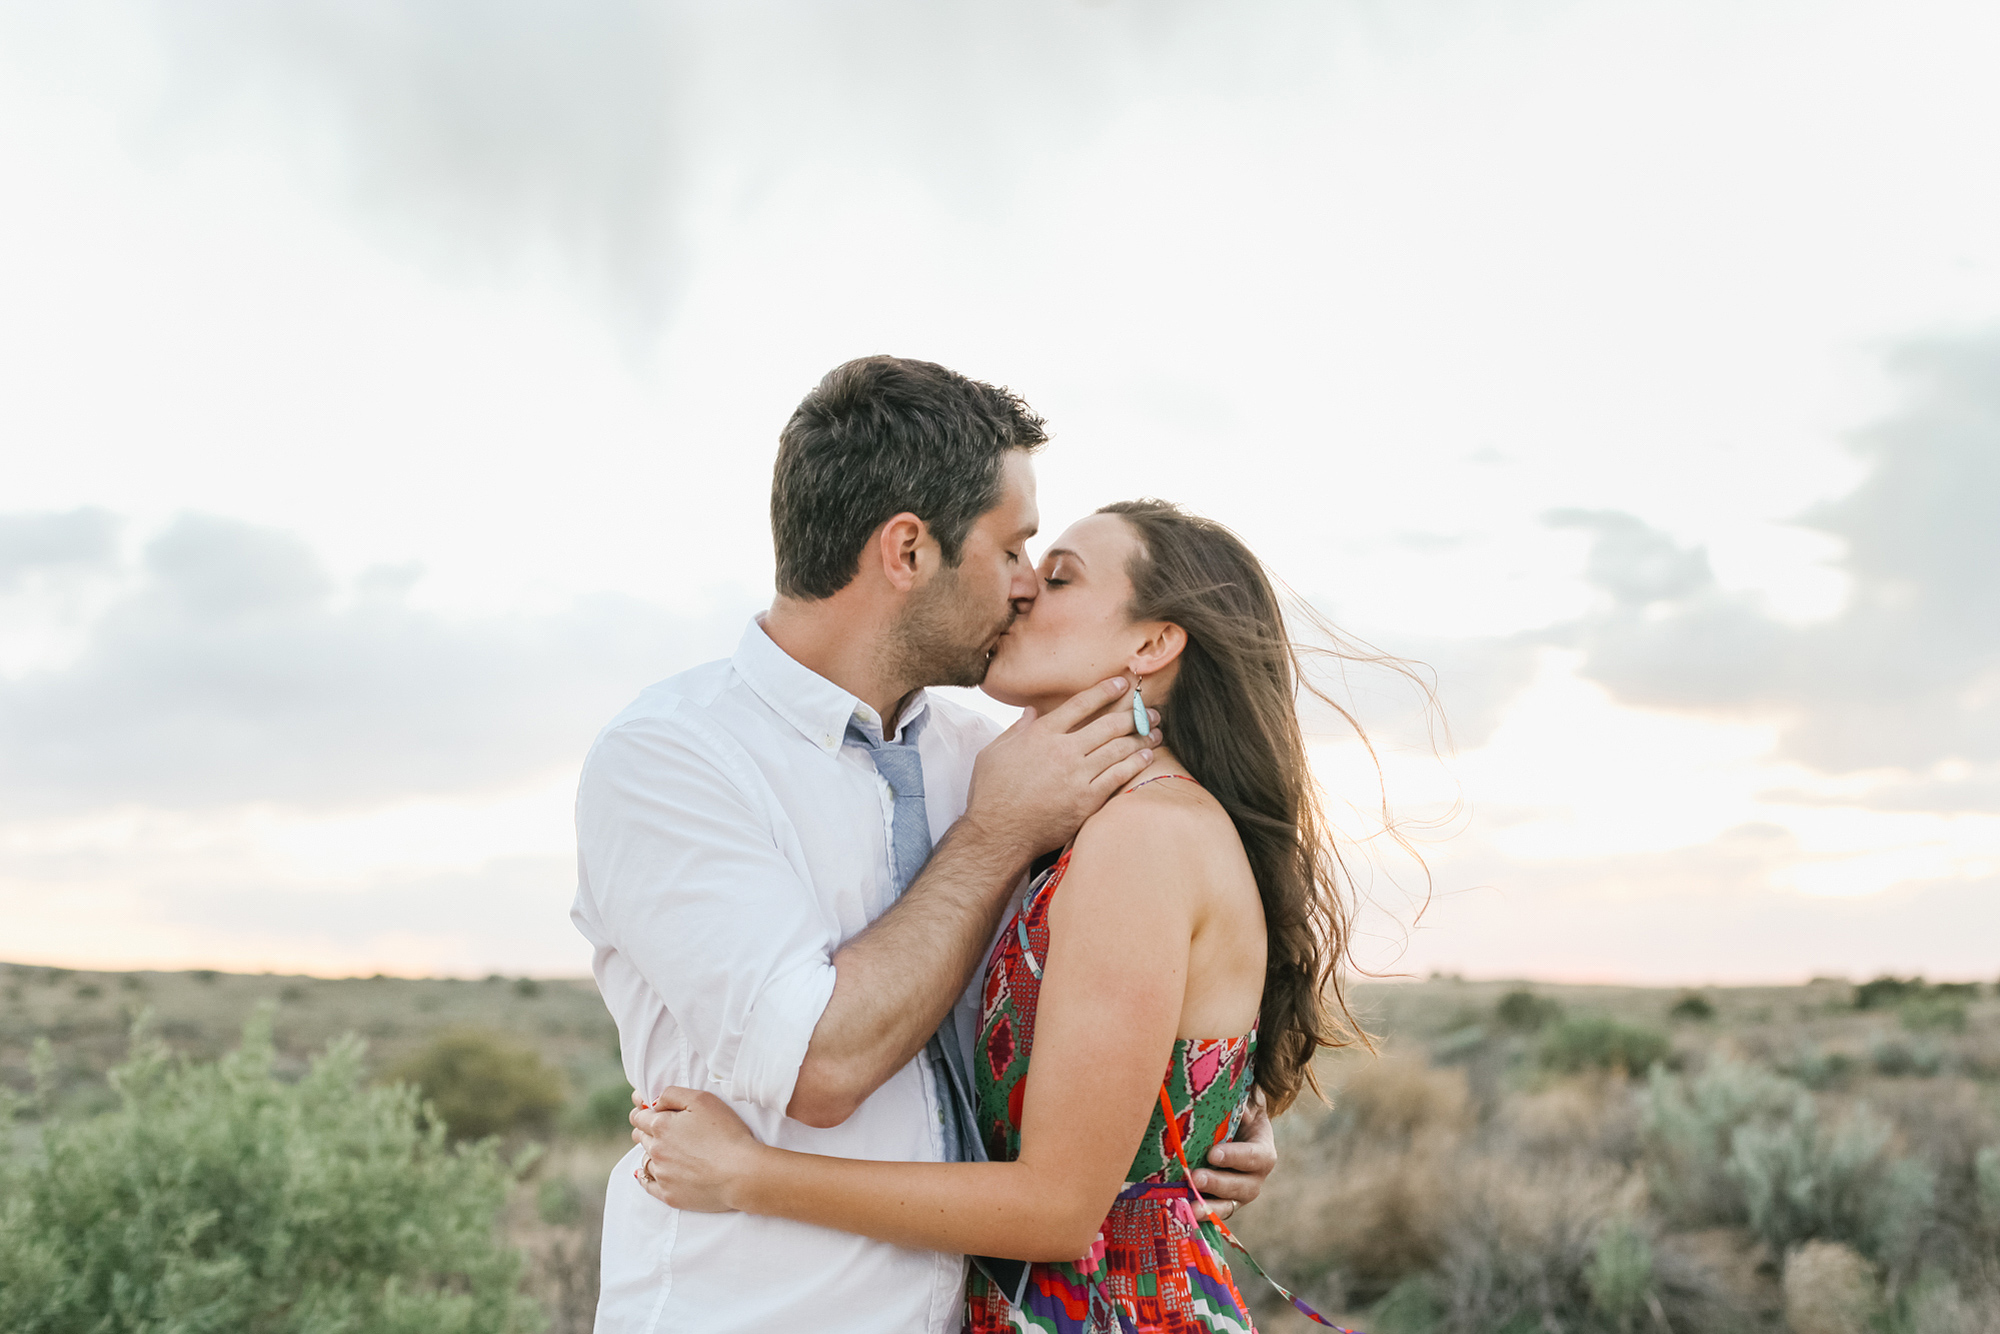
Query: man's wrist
[{"x": 992, "y": 844}]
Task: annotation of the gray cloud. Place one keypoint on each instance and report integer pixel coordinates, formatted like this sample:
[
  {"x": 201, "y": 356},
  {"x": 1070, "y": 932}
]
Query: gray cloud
[
  {"x": 233, "y": 673},
  {"x": 1908, "y": 674},
  {"x": 482, "y": 132},
  {"x": 476, "y": 132},
  {"x": 80, "y": 541},
  {"x": 1977, "y": 791}
]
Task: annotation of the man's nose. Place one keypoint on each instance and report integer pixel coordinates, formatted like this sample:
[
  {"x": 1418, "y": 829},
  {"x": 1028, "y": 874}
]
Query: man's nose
[{"x": 1026, "y": 586}]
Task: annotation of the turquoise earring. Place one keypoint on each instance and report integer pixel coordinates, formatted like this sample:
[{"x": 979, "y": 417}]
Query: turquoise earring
[{"x": 1140, "y": 723}]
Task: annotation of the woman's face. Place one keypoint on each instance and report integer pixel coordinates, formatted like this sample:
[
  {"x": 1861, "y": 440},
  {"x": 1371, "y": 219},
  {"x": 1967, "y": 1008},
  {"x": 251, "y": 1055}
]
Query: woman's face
[{"x": 1079, "y": 631}]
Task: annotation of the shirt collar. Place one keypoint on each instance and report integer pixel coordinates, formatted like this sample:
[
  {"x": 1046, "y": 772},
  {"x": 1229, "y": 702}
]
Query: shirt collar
[{"x": 818, "y": 708}]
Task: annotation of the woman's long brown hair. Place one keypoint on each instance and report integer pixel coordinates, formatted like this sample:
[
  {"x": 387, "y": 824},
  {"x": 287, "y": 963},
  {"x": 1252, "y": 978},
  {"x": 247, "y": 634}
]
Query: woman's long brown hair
[{"x": 1232, "y": 719}]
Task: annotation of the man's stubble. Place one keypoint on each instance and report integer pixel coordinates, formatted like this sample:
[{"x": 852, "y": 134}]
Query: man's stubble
[{"x": 942, "y": 639}]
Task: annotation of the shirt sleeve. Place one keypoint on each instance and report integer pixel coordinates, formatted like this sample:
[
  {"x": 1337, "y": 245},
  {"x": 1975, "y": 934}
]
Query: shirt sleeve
[{"x": 690, "y": 885}]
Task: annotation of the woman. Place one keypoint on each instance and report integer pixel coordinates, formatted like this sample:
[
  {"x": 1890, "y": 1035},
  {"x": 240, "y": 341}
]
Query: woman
[{"x": 1183, "y": 950}]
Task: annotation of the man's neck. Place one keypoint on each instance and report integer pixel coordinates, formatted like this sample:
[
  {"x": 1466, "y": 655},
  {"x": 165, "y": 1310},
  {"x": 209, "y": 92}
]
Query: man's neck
[{"x": 842, "y": 638}]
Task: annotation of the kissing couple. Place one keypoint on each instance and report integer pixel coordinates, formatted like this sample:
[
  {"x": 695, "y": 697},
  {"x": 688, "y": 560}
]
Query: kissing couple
[{"x": 896, "y": 987}]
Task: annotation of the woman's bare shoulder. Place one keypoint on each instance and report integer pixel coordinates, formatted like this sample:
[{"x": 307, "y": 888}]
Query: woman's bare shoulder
[{"x": 1166, "y": 827}]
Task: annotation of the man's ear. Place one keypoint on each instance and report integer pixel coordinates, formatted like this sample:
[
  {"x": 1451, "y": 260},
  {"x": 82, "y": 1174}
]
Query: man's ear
[
  {"x": 1164, "y": 642},
  {"x": 900, "y": 547}
]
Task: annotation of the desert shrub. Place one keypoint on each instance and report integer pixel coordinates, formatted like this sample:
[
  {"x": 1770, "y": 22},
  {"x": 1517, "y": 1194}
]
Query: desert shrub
[
  {"x": 1620, "y": 1273},
  {"x": 1521, "y": 1246},
  {"x": 1411, "y": 1307},
  {"x": 217, "y": 1198},
  {"x": 1885, "y": 992},
  {"x": 1738, "y": 1144},
  {"x": 1368, "y": 1186},
  {"x": 205, "y": 976},
  {"x": 1802, "y": 1181},
  {"x": 1459, "y": 1044},
  {"x": 478, "y": 1084},
  {"x": 1400, "y": 1099},
  {"x": 1692, "y": 1005},
  {"x": 1589, "y": 1115},
  {"x": 1686, "y": 1127},
  {"x": 1894, "y": 1059},
  {"x": 559, "y": 1202},
  {"x": 607, "y": 1111},
  {"x": 1933, "y": 1012},
  {"x": 1535, "y": 1249},
  {"x": 1525, "y": 1012},
  {"x": 1819, "y": 1069},
  {"x": 1934, "y": 1304},
  {"x": 1966, "y": 991},
  {"x": 527, "y": 988},
  {"x": 1599, "y": 1042},
  {"x": 1829, "y": 1290}
]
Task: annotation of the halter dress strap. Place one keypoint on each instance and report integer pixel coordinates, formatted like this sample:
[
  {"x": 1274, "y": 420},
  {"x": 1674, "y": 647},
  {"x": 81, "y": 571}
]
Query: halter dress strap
[{"x": 1157, "y": 777}]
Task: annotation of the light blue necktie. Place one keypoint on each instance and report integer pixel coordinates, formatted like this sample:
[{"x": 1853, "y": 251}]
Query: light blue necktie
[{"x": 902, "y": 768}]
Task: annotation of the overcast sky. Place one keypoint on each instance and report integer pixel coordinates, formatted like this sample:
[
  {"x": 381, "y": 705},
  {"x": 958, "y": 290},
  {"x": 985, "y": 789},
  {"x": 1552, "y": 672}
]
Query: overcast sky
[{"x": 388, "y": 391}]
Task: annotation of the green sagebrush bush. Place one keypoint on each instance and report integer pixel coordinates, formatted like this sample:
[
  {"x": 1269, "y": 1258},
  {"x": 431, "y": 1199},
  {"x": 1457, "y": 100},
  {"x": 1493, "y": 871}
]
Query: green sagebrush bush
[
  {"x": 1692, "y": 1005},
  {"x": 1740, "y": 1145},
  {"x": 607, "y": 1111},
  {"x": 1525, "y": 1012},
  {"x": 218, "y": 1198},
  {"x": 1803, "y": 1181},
  {"x": 478, "y": 1084},
  {"x": 1687, "y": 1126},
  {"x": 1599, "y": 1042}
]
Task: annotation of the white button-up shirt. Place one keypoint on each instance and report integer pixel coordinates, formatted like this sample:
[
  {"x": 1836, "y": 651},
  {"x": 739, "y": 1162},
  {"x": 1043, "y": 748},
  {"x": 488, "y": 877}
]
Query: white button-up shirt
[{"x": 728, "y": 842}]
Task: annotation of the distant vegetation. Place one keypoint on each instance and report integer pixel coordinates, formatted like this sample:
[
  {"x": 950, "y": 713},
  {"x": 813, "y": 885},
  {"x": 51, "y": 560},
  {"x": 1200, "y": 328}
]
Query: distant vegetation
[
  {"x": 478, "y": 1084},
  {"x": 1821, "y": 1159}
]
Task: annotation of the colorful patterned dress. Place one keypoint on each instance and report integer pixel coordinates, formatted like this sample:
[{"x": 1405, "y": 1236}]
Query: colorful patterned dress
[{"x": 1156, "y": 1267}]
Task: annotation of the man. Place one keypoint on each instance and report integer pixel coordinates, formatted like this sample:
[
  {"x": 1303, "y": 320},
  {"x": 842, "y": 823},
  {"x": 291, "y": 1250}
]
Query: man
[{"x": 791, "y": 863}]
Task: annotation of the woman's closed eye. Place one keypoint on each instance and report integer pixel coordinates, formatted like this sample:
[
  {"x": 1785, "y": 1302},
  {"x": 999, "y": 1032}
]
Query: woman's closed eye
[{"x": 1050, "y": 581}]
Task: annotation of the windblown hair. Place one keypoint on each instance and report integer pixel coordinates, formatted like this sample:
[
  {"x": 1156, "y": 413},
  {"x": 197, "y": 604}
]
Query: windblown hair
[{"x": 1232, "y": 719}]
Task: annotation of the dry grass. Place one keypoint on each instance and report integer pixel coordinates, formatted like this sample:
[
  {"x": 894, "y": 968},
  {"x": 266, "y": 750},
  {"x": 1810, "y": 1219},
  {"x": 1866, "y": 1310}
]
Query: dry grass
[{"x": 1829, "y": 1289}]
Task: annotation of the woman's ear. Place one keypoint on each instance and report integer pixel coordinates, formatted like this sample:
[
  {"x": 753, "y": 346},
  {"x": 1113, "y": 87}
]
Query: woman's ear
[{"x": 1164, "y": 642}]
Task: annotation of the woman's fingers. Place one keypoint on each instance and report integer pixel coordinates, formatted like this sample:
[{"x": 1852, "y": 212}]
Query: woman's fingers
[{"x": 675, "y": 1099}]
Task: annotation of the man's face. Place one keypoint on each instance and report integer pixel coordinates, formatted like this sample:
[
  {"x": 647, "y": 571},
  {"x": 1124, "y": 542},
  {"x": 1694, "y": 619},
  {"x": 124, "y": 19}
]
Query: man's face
[{"x": 955, "y": 618}]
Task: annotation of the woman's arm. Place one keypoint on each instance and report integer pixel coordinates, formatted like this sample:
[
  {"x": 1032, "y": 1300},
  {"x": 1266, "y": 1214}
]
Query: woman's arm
[{"x": 1111, "y": 998}]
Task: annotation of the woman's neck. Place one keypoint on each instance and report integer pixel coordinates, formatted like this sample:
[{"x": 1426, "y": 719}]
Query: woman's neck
[{"x": 1164, "y": 765}]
